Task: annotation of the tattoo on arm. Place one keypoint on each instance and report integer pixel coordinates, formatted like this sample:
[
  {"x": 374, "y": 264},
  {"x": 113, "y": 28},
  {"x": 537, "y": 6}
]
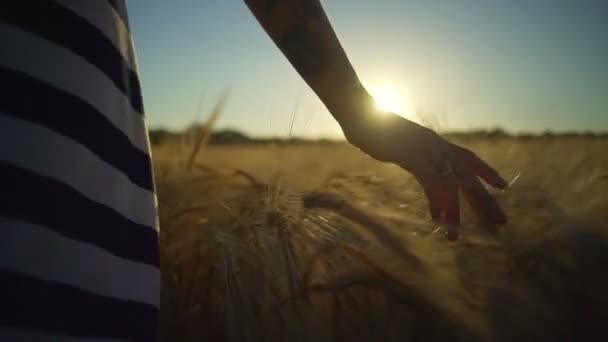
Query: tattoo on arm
[
  {"x": 302, "y": 31},
  {"x": 305, "y": 48},
  {"x": 298, "y": 44},
  {"x": 296, "y": 28},
  {"x": 269, "y": 6}
]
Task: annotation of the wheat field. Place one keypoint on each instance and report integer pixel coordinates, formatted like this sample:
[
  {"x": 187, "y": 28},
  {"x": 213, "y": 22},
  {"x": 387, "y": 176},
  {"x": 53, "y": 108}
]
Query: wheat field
[{"x": 318, "y": 242}]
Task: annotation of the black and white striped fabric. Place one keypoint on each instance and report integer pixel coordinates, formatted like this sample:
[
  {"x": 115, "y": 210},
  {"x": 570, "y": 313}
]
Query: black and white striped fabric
[{"x": 79, "y": 246}]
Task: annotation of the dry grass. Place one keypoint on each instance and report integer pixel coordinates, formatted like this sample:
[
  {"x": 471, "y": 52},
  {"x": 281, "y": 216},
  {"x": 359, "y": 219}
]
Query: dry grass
[{"x": 317, "y": 243}]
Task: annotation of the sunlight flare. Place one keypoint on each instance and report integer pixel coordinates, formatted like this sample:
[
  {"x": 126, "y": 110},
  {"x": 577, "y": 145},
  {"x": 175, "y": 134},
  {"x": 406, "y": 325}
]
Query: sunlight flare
[{"x": 388, "y": 99}]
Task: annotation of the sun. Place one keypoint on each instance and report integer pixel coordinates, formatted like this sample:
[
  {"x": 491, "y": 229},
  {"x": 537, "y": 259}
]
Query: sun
[{"x": 388, "y": 99}]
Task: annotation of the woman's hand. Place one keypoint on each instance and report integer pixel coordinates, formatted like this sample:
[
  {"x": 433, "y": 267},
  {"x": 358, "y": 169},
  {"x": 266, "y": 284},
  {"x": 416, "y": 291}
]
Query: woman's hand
[
  {"x": 442, "y": 168},
  {"x": 302, "y": 31}
]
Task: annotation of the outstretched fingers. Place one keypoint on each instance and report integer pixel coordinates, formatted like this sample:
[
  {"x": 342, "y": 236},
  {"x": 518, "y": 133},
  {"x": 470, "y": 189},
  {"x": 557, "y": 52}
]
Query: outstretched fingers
[
  {"x": 484, "y": 205},
  {"x": 479, "y": 167}
]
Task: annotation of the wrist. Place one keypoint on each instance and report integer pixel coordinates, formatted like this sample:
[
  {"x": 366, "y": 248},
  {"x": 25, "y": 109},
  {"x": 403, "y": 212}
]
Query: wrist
[
  {"x": 383, "y": 136},
  {"x": 351, "y": 105},
  {"x": 370, "y": 132}
]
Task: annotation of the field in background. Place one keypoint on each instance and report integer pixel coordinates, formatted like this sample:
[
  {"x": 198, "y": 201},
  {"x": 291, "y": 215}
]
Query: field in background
[{"x": 319, "y": 242}]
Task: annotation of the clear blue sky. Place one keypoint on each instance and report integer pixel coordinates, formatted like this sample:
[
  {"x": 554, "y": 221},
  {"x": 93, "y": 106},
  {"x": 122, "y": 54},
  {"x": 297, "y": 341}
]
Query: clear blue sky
[{"x": 524, "y": 65}]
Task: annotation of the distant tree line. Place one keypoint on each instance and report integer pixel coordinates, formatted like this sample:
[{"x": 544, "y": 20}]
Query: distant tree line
[
  {"x": 499, "y": 133},
  {"x": 235, "y": 137},
  {"x": 226, "y": 137}
]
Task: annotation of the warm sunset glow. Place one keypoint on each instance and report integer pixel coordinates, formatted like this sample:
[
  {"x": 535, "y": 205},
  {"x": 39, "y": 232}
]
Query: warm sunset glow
[{"x": 389, "y": 100}]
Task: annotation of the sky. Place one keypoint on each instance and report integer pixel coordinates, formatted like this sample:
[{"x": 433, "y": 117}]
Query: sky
[{"x": 522, "y": 65}]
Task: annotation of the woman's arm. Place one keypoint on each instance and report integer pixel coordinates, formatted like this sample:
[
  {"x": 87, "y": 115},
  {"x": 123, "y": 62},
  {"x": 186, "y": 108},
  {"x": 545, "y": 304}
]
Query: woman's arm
[{"x": 302, "y": 31}]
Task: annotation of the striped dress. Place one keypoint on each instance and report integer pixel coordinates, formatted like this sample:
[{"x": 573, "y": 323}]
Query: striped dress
[{"x": 78, "y": 214}]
